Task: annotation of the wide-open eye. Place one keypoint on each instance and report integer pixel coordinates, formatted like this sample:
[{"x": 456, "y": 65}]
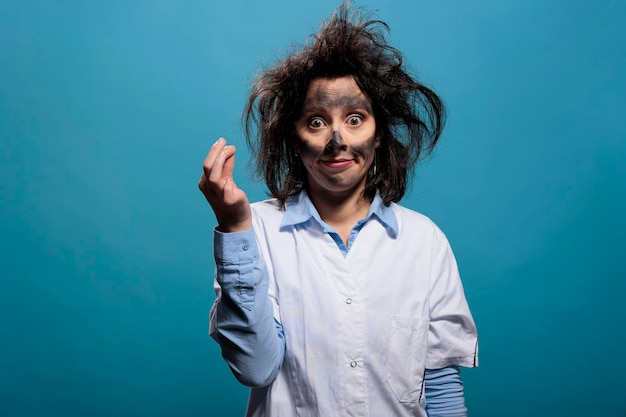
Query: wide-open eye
[
  {"x": 317, "y": 122},
  {"x": 354, "y": 119}
]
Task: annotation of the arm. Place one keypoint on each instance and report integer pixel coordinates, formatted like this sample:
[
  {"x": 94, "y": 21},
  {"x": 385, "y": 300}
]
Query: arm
[
  {"x": 452, "y": 335},
  {"x": 444, "y": 393},
  {"x": 241, "y": 319}
]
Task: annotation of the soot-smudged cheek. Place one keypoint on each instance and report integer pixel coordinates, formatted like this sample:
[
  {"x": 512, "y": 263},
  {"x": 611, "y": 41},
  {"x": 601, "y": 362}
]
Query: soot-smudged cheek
[
  {"x": 364, "y": 149},
  {"x": 310, "y": 149}
]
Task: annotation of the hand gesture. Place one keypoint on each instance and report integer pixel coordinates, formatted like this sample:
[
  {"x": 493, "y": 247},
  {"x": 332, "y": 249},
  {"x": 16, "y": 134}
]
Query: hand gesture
[{"x": 229, "y": 202}]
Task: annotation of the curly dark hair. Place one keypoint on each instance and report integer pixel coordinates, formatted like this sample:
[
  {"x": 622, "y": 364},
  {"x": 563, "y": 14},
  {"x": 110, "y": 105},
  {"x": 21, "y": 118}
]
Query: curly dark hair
[{"x": 409, "y": 116}]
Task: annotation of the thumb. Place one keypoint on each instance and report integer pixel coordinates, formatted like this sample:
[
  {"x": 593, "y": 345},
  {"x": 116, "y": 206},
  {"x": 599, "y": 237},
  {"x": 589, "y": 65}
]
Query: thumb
[
  {"x": 231, "y": 192},
  {"x": 229, "y": 162}
]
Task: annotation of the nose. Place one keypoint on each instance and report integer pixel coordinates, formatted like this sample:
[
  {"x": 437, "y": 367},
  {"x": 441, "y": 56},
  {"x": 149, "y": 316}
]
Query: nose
[{"x": 336, "y": 143}]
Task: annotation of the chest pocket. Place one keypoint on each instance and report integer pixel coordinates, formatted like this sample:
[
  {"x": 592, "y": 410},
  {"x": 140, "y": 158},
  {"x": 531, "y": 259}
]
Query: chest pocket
[{"x": 406, "y": 358}]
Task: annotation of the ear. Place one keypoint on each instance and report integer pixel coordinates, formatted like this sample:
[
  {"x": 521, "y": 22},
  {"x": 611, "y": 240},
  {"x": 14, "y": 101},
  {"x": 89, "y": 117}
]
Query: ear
[{"x": 377, "y": 140}]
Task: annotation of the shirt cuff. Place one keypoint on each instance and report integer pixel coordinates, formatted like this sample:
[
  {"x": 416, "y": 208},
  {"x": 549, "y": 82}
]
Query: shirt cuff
[
  {"x": 235, "y": 248},
  {"x": 444, "y": 392}
]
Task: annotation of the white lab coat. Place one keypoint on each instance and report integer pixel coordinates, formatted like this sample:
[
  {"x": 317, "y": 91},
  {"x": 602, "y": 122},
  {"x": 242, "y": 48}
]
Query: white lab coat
[{"x": 361, "y": 330}]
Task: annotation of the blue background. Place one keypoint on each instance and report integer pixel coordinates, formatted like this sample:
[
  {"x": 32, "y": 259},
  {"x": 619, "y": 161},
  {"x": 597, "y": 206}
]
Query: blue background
[{"x": 107, "y": 110}]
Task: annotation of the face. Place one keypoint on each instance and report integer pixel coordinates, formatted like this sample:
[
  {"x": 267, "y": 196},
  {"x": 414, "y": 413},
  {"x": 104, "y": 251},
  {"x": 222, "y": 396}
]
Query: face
[{"x": 337, "y": 133}]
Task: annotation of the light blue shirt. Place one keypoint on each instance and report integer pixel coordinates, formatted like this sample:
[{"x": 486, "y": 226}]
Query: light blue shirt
[{"x": 299, "y": 211}]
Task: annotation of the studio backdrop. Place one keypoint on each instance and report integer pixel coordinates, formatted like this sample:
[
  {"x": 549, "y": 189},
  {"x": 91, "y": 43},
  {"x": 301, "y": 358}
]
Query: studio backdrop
[{"x": 108, "y": 108}]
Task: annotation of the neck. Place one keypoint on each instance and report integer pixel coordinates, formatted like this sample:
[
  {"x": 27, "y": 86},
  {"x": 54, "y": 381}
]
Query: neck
[{"x": 341, "y": 212}]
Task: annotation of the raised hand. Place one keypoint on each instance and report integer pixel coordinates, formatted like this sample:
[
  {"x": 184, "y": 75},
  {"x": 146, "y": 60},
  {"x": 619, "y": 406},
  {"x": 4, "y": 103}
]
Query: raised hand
[{"x": 229, "y": 202}]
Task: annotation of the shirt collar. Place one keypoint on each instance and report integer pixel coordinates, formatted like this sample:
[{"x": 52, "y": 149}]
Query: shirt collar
[{"x": 300, "y": 209}]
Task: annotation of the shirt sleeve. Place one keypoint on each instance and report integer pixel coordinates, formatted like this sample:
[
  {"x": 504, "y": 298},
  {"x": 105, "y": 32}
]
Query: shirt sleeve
[
  {"x": 241, "y": 319},
  {"x": 444, "y": 393},
  {"x": 452, "y": 336}
]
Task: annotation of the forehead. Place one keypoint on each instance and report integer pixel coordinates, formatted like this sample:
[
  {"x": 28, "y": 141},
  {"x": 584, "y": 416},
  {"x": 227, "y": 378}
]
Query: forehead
[{"x": 335, "y": 93}]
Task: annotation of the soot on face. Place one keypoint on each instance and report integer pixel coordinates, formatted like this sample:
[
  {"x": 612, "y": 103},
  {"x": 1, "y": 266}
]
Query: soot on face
[
  {"x": 322, "y": 100},
  {"x": 335, "y": 143}
]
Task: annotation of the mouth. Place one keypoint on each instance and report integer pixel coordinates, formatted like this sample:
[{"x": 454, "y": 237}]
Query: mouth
[{"x": 337, "y": 163}]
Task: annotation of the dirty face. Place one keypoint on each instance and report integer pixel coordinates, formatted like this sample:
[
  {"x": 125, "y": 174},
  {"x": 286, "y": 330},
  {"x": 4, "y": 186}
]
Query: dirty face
[{"x": 337, "y": 137}]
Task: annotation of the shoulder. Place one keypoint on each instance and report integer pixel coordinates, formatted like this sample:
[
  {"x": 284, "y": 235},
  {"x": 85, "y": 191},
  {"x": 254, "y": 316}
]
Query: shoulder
[
  {"x": 413, "y": 223},
  {"x": 411, "y": 218},
  {"x": 267, "y": 218},
  {"x": 267, "y": 211},
  {"x": 269, "y": 206}
]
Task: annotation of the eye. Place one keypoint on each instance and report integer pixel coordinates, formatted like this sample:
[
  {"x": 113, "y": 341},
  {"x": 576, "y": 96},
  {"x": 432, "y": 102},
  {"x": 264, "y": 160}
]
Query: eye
[
  {"x": 354, "y": 120},
  {"x": 316, "y": 123}
]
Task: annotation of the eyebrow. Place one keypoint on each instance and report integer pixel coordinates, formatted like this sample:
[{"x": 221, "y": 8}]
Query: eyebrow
[{"x": 321, "y": 102}]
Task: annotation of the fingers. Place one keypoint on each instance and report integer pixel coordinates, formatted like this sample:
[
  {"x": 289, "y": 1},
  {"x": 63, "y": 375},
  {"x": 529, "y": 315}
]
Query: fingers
[
  {"x": 221, "y": 169},
  {"x": 214, "y": 152},
  {"x": 216, "y": 182},
  {"x": 230, "y": 203},
  {"x": 215, "y": 166}
]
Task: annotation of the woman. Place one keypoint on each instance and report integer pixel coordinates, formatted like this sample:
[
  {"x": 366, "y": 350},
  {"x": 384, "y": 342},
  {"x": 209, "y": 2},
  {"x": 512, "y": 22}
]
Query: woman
[{"x": 332, "y": 299}]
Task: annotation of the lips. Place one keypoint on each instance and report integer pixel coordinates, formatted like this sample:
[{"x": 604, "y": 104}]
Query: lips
[{"x": 338, "y": 163}]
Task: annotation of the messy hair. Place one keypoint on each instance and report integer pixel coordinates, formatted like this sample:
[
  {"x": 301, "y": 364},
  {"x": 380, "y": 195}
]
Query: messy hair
[{"x": 409, "y": 116}]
